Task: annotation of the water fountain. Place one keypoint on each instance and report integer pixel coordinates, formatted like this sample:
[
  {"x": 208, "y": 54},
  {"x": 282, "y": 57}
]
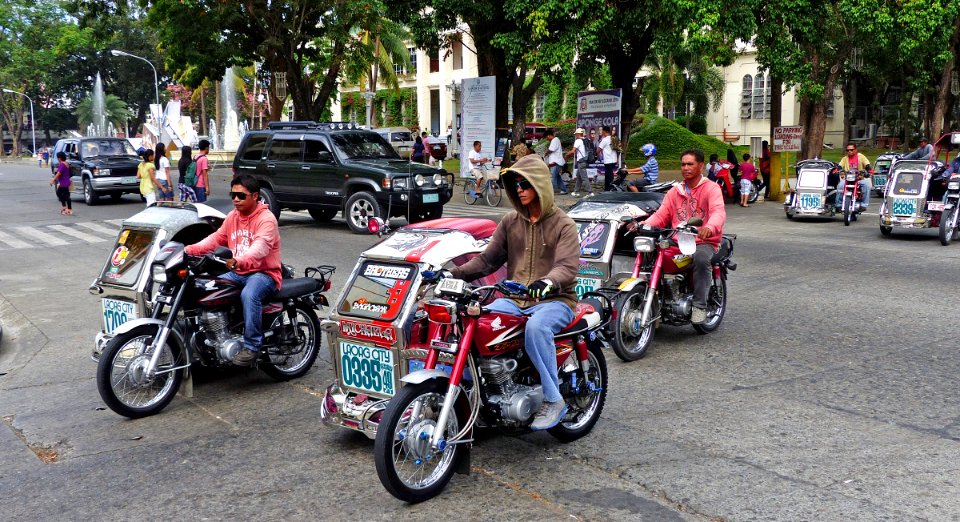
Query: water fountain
[
  {"x": 214, "y": 137},
  {"x": 98, "y": 125},
  {"x": 228, "y": 100}
]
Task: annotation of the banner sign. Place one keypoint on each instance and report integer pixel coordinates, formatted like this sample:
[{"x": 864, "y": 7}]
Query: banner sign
[
  {"x": 478, "y": 110},
  {"x": 787, "y": 139},
  {"x": 596, "y": 109}
]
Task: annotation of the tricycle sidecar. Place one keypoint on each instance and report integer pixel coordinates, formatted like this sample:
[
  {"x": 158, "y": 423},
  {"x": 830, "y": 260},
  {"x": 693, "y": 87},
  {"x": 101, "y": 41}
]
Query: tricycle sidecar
[
  {"x": 125, "y": 283},
  {"x": 815, "y": 192},
  {"x": 913, "y": 198},
  {"x": 881, "y": 171}
]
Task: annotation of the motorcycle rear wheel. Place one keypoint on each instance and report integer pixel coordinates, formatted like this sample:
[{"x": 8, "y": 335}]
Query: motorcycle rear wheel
[
  {"x": 406, "y": 466},
  {"x": 120, "y": 379},
  {"x": 630, "y": 341},
  {"x": 716, "y": 306},
  {"x": 584, "y": 409},
  {"x": 948, "y": 226},
  {"x": 285, "y": 367}
]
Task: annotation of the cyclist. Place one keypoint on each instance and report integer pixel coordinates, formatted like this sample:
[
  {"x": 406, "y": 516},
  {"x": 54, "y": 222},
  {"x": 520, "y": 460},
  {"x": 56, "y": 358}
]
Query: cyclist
[{"x": 477, "y": 161}]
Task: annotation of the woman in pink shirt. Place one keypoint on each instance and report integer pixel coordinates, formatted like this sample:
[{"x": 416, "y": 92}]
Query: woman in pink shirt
[{"x": 748, "y": 173}]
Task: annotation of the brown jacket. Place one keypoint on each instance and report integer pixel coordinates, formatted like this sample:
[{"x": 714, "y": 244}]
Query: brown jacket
[{"x": 547, "y": 249}]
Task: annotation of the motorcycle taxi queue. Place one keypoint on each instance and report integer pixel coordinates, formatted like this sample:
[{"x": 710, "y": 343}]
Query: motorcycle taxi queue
[{"x": 419, "y": 363}]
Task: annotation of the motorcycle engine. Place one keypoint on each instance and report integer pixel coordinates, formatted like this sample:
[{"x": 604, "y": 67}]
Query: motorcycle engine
[
  {"x": 215, "y": 325},
  {"x": 679, "y": 302},
  {"x": 516, "y": 402}
]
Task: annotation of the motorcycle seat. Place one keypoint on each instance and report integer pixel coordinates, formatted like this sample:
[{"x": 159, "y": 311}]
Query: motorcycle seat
[
  {"x": 585, "y": 317},
  {"x": 726, "y": 248},
  {"x": 296, "y": 288}
]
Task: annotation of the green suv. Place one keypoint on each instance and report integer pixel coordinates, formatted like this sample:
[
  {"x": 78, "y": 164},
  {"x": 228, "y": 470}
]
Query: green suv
[{"x": 326, "y": 168}]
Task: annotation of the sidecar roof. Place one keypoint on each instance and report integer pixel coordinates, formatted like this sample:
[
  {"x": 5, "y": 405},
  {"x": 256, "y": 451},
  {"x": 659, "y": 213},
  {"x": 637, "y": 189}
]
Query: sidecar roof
[
  {"x": 175, "y": 216},
  {"x": 435, "y": 242}
]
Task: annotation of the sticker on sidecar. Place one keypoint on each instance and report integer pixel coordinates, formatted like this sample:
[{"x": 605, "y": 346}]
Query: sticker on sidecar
[
  {"x": 389, "y": 272},
  {"x": 366, "y": 368}
]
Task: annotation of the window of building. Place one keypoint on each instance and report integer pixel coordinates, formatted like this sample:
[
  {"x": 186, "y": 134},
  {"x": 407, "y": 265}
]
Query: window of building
[
  {"x": 761, "y": 97},
  {"x": 413, "y": 60},
  {"x": 457, "y": 51},
  {"x": 435, "y": 63},
  {"x": 746, "y": 97}
]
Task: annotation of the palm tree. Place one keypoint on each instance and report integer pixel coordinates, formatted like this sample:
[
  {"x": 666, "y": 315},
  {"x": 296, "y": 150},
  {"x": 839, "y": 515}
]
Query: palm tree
[
  {"x": 383, "y": 45},
  {"x": 684, "y": 80},
  {"x": 115, "y": 111}
]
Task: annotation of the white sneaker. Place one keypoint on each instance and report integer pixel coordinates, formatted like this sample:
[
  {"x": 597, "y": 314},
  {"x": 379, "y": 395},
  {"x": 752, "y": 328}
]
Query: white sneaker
[
  {"x": 592, "y": 194},
  {"x": 550, "y": 414},
  {"x": 698, "y": 316},
  {"x": 575, "y": 194}
]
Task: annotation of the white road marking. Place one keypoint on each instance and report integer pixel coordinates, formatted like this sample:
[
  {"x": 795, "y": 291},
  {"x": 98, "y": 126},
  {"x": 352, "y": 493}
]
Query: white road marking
[
  {"x": 13, "y": 242},
  {"x": 83, "y": 236},
  {"x": 34, "y": 233},
  {"x": 112, "y": 232}
]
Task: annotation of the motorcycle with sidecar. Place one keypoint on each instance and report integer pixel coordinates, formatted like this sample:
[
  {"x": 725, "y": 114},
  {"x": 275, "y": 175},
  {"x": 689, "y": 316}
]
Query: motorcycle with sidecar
[
  {"x": 815, "y": 192},
  {"x": 881, "y": 170},
  {"x": 913, "y": 198}
]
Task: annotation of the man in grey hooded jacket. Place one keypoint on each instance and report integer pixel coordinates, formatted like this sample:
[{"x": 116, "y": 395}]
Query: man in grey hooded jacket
[{"x": 541, "y": 247}]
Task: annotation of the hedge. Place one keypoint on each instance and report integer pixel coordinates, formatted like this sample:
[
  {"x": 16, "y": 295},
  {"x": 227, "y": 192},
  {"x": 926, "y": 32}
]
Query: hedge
[{"x": 670, "y": 138}]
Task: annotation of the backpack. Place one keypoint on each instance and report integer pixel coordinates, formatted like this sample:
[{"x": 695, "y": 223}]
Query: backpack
[
  {"x": 190, "y": 178},
  {"x": 615, "y": 144},
  {"x": 591, "y": 156}
]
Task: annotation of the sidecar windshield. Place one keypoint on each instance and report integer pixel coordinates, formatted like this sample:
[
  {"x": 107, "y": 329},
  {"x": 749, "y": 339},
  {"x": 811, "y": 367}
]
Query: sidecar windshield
[
  {"x": 907, "y": 184},
  {"x": 128, "y": 257},
  {"x": 379, "y": 291},
  {"x": 812, "y": 178}
]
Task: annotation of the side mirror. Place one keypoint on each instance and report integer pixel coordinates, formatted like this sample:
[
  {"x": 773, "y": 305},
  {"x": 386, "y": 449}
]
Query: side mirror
[
  {"x": 73, "y": 156},
  {"x": 325, "y": 156},
  {"x": 626, "y": 219},
  {"x": 223, "y": 252}
]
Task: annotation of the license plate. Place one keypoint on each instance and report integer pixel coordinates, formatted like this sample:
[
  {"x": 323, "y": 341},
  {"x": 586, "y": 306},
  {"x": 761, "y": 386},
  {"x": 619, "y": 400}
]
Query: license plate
[
  {"x": 129, "y": 180},
  {"x": 117, "y": 312},
  {"x": 904, "y": 206},
  {"x": 416, "y": 364},
  {"x": 935, "y": 206},
  {"x": 811, "y": 200},
  {"x": 366, "y": 368},
  {"x": 879, "y": 181},
  {"x": 586, "y": 284},
  {"x": 431, "y": 198}
]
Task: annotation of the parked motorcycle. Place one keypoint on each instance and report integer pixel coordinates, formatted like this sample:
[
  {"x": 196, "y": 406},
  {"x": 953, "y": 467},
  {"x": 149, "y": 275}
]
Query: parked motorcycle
[
  {"x": 427, "y": 428},
  {"x": 197, "y": 318},
  {"x": 660, "y": 288},
  {"x": 951, "y": 212}
]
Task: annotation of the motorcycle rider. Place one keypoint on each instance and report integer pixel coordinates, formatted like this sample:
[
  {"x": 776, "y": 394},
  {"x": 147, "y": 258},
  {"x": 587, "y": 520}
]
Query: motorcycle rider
[
  {"x": 696, "y": 196},
  {"x": 852, "y": 162},
  {"x": 650, "y": 170},
  {"x": 923, "y": 152},
  {"x": 250, "y": 231},
  {"x": 541, "y": 247}
]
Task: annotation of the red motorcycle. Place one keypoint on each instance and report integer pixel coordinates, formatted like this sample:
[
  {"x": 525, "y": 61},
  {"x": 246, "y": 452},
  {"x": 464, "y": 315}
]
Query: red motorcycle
[
  {"x": 725, "y": 180},
  {"x": 852, "y": 194},
  {"x": 477, "y": 374},
  {"x": 660, "y": 288}
]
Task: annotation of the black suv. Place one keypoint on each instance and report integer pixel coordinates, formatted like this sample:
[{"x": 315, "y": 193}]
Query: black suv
[
  {"x": 100, "y": 166},
  {"x": 325, "y": 168}
]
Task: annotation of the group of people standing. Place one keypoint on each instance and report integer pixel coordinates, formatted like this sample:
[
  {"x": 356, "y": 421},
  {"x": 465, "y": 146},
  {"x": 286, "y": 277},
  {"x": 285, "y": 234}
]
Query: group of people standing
[{"x": 156, "y": 183}]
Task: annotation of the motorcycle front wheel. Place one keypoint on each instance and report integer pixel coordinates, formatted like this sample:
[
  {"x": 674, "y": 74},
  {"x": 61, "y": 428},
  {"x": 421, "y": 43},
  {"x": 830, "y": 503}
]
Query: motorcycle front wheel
[
  {"x": 847, "y": 211},
  {"x": 289, "y": 360},
  {"x": 716, "y": 306},
  {"x": 122, "y": 379},
  {"x": 631, "y": 340},
  {"x": 948, "y": 226},
  {"x": 407, "y": 465},
  {"x": 584, "y": 408}
]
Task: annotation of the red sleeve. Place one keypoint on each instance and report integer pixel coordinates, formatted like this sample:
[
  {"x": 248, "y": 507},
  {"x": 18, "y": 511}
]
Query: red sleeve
[
  {"x": 663, "y": 216},
  {"x": 218, "y": 238}
]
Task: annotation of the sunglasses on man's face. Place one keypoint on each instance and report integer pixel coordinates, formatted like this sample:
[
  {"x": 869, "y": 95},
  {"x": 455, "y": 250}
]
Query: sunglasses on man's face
[
  {"x": 523, "y": 184},
  {"x": 851, "y": 150},
  {"x": 239, "y": 195}
]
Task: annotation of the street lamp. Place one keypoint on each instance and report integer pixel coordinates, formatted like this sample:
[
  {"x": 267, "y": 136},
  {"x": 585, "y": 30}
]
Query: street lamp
[
  {"x": 33, "y": 123},
  {"x": 369, "y": 96},
  {"x": 454, "y": 88},
  {"x": 156, "y": 82}
]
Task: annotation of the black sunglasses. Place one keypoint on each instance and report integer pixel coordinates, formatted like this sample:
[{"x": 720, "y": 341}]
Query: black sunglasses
[
  {"x": 851, "y": 150},
  {"x": 523, "y": 184},
  {"x": 239, "y": 195}
]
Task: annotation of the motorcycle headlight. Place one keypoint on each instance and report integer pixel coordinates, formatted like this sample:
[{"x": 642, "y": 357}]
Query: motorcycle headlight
[
  {"x": 643, "y": 244},
  {"x": 400, "y": 183},
  {"x": 851, "y": 176},
  {"x": 437, "y": 179},
  {"x": 953, "y": 185},
  {"x": 159, "y": 274},
  {"x": 418, "y": 179}
]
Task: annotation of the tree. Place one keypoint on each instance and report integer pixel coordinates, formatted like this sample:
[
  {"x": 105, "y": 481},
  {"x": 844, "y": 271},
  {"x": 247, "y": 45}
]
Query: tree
[
  {"x": 115, "y": 111},
  {"x": 383, "y": 44}
]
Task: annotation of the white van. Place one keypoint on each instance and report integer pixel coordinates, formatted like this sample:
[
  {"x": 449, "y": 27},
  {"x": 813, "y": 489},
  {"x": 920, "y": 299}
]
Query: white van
[{"x": 400, "y": 138}]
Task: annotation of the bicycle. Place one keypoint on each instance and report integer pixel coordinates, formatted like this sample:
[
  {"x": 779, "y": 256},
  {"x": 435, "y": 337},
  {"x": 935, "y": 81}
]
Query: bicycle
[{"x": 490, "y": 190}]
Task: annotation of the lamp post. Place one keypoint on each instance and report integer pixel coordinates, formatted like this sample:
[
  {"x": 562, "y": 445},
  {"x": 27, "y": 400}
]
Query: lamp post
[
  {"x": 368, "y": 96},
  {"x": 454, "y": 88},
  {"x": 33, "y": 123},
  {"x": 156, "y": 82}
]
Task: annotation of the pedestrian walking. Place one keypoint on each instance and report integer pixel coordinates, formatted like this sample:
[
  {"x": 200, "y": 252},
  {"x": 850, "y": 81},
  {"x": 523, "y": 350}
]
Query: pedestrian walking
[
  {"x": 608, "y": 156},
  {"x": 148, "y": 181},
  {"x": 188, "y": 174},
  {"x": 202, "y": 190},
  {"x": 46, "y": 156},
  {"x": 765, "y": 169},
  {"x": 417, "y": 156},
  {"x": 62, "y": 181},
  {"x": 580, "y": 160},
  {"x": 554, "y": 160},
  {"x": 748, "y": 173},
  {"x": 162, "y": 175}
]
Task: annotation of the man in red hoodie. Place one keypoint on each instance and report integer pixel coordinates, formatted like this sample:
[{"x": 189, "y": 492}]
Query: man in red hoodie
[
  {"x": 250, "y": 231},
  {"x": 696, "y": 196}
]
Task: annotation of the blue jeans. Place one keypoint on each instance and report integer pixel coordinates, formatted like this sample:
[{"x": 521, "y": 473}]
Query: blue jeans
[
  {"x": 256, "y": 287},
  {"x": 864, "y": 193},
  {"x": 557, "y": 179},
  {"x": 545, "y": 319}
]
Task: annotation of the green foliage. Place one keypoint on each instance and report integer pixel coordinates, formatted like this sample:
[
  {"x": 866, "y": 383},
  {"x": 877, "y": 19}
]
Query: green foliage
[
  {"x": 670, "y": 138},
  {"x": 115, "y": 110}
]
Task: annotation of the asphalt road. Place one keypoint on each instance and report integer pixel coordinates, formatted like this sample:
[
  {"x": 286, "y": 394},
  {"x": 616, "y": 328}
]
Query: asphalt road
[{"x": 828, "y": 393}]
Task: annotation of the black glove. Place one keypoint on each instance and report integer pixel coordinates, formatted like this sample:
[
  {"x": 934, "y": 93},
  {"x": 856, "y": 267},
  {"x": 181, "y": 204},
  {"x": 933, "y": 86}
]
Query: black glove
[{"x": 540, "y": 289}]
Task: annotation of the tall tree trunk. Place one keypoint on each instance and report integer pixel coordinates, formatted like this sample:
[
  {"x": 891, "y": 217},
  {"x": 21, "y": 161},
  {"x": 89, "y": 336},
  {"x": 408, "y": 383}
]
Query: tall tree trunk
[
  {"x": 203, "y": 111},
  {"x": 522, "y": 96},
  {"x": 806, "y": 109},
  {"x": 943, "y": 93},
  {"x": 374, "y": 68},
  {"x": 623, "y": 70}
]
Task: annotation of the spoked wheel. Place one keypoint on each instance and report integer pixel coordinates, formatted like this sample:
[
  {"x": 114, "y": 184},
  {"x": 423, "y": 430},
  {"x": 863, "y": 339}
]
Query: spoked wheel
[
  {"x": 948, "y": 226},
  {"x": 631, "y": 340},
  {"x": 584, "y": 408},
  {"x": 122, "y": 378},
  {"x": 293, "y": 357},
  {"x": 847, "y": 211},
  {"x": 493, "y": 193},
  {"x": 407, "y": 466},
  {"x": 470, "y": 194},
  {"x": 754, "y": 194},
  {"x": 716, "y": 306}
]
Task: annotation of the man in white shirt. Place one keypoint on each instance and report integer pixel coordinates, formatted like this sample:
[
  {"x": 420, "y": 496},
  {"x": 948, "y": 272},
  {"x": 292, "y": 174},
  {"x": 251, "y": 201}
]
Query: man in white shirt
[
  {"x": 556, "y": 162},
  {"x": 476, "y": 164},
  {"x": 608, "y": 156},
  {"x": 579, "y": 153}
]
